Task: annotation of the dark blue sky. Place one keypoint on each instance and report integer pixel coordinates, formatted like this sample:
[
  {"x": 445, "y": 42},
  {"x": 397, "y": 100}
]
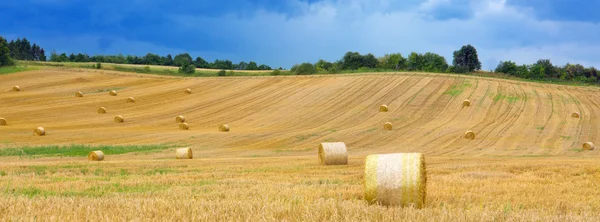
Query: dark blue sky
[{"x": 285, "y": 32}]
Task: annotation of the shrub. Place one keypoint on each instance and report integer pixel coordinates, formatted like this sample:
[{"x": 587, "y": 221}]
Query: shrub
[
  {"x": 230, "y": 73},
  {"x": 305, "y": 69},
  {"x": 222, "y": 72},
  {"x": 188, "y": 69},
  {"x": 146, "y": 69},
  {"x": 98, "y": 65},
  {"x": 276, "y": 72}
]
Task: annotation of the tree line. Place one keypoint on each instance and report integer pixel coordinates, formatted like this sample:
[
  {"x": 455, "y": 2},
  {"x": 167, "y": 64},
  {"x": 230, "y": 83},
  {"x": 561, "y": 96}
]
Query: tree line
[
  {"x": 544, "y": 69},
  {"x": 21, "y": 49}
]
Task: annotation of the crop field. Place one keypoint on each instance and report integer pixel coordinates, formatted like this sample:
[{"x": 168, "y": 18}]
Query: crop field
[{"x": 525, "y": 163}]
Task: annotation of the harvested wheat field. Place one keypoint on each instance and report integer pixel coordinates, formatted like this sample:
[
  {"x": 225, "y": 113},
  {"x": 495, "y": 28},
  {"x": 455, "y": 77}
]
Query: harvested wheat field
[{"x": 526, "y": 163}]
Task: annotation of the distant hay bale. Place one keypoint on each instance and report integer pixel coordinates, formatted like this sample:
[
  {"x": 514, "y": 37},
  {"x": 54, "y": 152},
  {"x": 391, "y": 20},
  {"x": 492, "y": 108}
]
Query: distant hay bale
[
  {"x": 180, "y": 119},
  {"x": 188, "y": 91},
  {"x": 183, "y": 153},
  {"x": 333, "y": 153},
  {"x": 101, "y": 110},
  {"x": 397, "y": 179},
  {"x": 16, "y": 88},
  {"x": 466, "y": 103},
  {"x": 387, "y": 126},
  {"x": 40, "y": 131},
  {"x": 112, "y": 93},
  {"x": 588, "y": 146},
  {"x": 470, "y": 135},
  {"x": 97, "y": 155},
  {"x": 2, "y": 122},
  {"x": 575, "y": 115},
  {"x": 383, "y": 108},
  {"x": 224, "y": 128},
  {"x": 130, "y": 100},
  {"x": 119, "y": 119},
  {"x": 184, "y": 126},
  {"x": 79, "y": 94}
]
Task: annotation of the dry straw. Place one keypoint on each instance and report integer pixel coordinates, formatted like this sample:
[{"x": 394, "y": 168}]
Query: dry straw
[
  {"x": 112, "y": 93},
  {"x": 383, "y": 108},
  {"x": 333, "y": 153},
  {"x": 2, "y": 122},
  {"x": 184, "y": 126},
  {"x": 180, "y": 119},
  {"x": 79, "y": 94},
  {"x": 470, "y": 135},
  {"x": 188, "y": 91},
  {"x": 224, "y": 128},
  {"x": 40, "y": 131},
  {"x": 97, "y": 155},
  {"x": 101, "y": 110},
  {"x": 588, "y": 146},
  {"x": 575, "y": 115},
  {"x": 183, "y": 153},
  {"x": 130, "y": 100},
  {"x": 466, "y": 103},
  {"x": 396, "y": 179},
  {"x": 119, "y": 119},
  {"x": 387, "y": 126},
  {"x": 16, "y": 88}
]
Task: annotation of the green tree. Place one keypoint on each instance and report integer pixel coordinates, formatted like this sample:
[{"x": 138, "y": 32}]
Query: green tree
[
  {"x": 169, "y": 60},
  {"x": 433, "y": 62},
  {"x": 182, "y": 59},
  {"x": 201, "y": 63},
  {"x": 415, "y": 62},
  {"x": 392, "y": 61},
  {"x": 5, "y": 59},
  {"x": 508, "y": 67},
  {"x": 466, "y": 59},
  {"x": 187, "y": 69},
  {"x": 304, "y": 69},
  {"x": 252, "y": 66}
]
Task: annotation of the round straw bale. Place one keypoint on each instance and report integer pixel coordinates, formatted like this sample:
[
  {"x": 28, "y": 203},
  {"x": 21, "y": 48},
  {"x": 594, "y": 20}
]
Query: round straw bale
[
  {"x": 79, "y": 94},
  {"x": 224, "y": 128},
  {"x": 180, "y": 119},
  {"x": 40, "y": 131},
  {"x": 16, "y": 88},
  {"x": 112, "y": 93},
  {"x": 588, "y": 146},
  {"x": 119, "y": 119},
  {"x": 470, "y": 135},
  {"x": 130, "y": 100},
  {"x": 575, "y": 115},
  {"x": 183, "y": 153},
  {"x": 184, "y": 126},
  {"x": 2, "y": 122},
  {"x": 383, "y": 108},
  {"x": 101, "y": 110},
  {"x": 397, "y": 179},
  {"x": 466, "y": 103},
  {"x": 387, "y": 126},
  {"x": 333, "y": 153},
  {"x": 97, "y": 155},
  {"x": 188, "y": 91}
]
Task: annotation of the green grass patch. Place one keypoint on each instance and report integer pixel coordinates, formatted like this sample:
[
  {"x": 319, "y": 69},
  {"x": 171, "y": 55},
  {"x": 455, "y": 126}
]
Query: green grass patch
[
  {"x": 509, "y": 99},
  {"x": 160, "y": 171},
  {"x": 78, "y": 150},
  {"x": 14, "y": 69},
  {"x": 456, "y": 89},
  {"x": 540, "y": 128}
]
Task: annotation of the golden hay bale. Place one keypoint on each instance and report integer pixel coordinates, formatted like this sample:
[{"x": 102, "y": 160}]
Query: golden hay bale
[
  {"x": 387, "y": 126},
  {"x": 183, "y": 153},
  {"x": 383, "y": 108},
  {"x": 224, "y": 128},
  {"x": 101, "y": 110},
  {"x": 184, "y": 126},
  {"x": 180, "y": 119},
  {"x": 2, "y": 122},
  {"x": 119, "y": 119},
  {"x": 470, "y": 135},
  {"x": 97, "y": 155},
  {"x": 188, "y": 91},
  {"x": 397, "y": 179},
  {"x": 575, "y": 115},
  {"x": 16, "y": 88},
  {"x": 466, "y": 103},
  {"x": 588, "y": 146},
  {"x": 130, "y": 100},
  {"x": 40, "y": 131},
  {"x": 79, "y": 94},
  {"x": 112, "y": 93},
  {"x": 333, "y": 153}
]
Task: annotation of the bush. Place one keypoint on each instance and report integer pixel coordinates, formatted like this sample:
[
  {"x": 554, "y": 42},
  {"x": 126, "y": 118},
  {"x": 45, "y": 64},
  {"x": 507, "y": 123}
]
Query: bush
[
  {"x": 146, "y": 69},
  {"x": 230, "y": 73},
  {"x": 276, "y": 72},
  {"x": 304, "y": 69},
  {"x": 98, "y": 65},
  {"x": 188, "y": 69},
  {"x": 222, "y": 72}
]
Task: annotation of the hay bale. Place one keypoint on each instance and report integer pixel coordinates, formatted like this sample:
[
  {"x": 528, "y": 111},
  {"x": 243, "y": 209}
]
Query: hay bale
[
  {"x": 130, "y": 100},
  {"x": 588, "y": 146},
  {"x": 119, "y": 119},
  {"x": 183, "y": 153},
  {"x": 79, "y": 94},
  {"x": 101, "y": 110},
  {"x": 97, "y": 155},
  {"x": 466, "y": 103},
  {"x": 2, "y": 122},
  {"x": 40, "y": 131},
  {"x": 397, "y": 179},
  {"x": 470, "y": 135},
  {"x": 224, "y": 128},
  {"x": 188, "y": 91},
  {"x": 387, "y": 126},
  {"x": 16, "y": 88},
  {"x": 333, "y": 153},
  {"x": 575, "y": 115},
  {"x": 383, "y": 108},
  {"x": 113, "y": 93},
  {"x": 180, "y": 119},
  {"x": 184, "y": 126}
]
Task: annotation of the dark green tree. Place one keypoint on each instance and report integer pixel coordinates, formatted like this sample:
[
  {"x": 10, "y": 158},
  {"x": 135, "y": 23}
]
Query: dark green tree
[
  {"x": 182, "y": 59},
  {"x": 466, "y": 59},
  {"x": 5, "y": 59},
  {"x": 252, "y": 66}
]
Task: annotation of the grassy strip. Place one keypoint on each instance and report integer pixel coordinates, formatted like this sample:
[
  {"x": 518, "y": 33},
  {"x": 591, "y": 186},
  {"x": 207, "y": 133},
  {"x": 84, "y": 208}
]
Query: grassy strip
[
  {"x": 14, "y": 69},
  {"x": 78, "y": 150}
]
